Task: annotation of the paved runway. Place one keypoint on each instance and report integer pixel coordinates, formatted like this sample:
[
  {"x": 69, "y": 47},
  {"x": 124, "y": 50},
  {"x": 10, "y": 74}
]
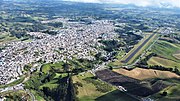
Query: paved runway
[{"x": 134, "y": 52}]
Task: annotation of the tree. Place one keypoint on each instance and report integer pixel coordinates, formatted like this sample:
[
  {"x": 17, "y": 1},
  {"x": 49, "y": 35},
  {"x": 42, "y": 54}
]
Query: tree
[
  {"x": 164, "y": 93},
  {"x": 111, "y": 68}
]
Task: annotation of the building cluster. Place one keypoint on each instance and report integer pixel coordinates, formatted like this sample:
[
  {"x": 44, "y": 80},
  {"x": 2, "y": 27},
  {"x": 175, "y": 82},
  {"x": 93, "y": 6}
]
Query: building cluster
[{"x": 74, "y": 40}]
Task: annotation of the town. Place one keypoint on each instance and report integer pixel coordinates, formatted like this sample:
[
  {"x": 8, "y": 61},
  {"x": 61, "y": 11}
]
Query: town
[
  {"x": 77, "y": 40},
  {"x": 61, "y": 50}
]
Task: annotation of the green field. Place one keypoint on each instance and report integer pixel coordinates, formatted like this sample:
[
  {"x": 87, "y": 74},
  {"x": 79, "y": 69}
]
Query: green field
[
  {"x": 89, "y": 92},
  {"x": 172, "y": 92},
  {"x": 166, "y": 50},
  {"x": 177, "y": 54},
  {"x": 47, "y": 67},
  {"x": 163, "y": 62},
  {"x": 6, "y": 38}
]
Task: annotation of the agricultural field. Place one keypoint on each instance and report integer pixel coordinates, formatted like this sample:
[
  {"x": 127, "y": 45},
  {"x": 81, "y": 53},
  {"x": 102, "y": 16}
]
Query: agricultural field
[
  {"x": 89, "y": 92},
  {"x": 143, "y": 74},
  {"x": 166, "y": 54},
  {"x": 166, "y": 50},
  {"x": 144, "y": 87},
  {"x": 163, "y": 62}
]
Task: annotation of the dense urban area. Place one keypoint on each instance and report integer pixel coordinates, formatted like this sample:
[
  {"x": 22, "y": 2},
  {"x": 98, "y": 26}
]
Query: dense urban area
[{"x": 67, "y": 51}]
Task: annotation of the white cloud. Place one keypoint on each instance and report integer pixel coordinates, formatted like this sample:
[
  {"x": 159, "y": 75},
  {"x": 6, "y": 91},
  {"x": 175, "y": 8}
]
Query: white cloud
[{"x": 160, "y": 3}]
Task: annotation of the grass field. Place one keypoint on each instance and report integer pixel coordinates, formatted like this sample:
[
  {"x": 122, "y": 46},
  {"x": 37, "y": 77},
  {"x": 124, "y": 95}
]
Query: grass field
[
  {"x": 6, "y": 38},
  {"x": 46, "y": 67},
  {"x": 142, "y": 74},
  {"x": 88, "y": 91},
  {"x": 141, "y": 50},
  {"x": 166, "y": 50},
  {"x": 163, "y": 62},
  {"x": 172, "y": 92}
]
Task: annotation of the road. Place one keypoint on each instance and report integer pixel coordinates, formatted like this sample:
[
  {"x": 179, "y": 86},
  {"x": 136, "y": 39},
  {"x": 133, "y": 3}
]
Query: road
[{"x": 134, "y": 52}]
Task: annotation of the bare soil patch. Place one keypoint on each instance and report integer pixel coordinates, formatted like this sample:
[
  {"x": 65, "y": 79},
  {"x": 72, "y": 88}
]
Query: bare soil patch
[{"x": 141, "y": 74}]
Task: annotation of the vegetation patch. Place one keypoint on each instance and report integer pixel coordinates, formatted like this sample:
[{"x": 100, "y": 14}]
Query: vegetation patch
[
  {"x": 177, "y": 55},
  {"x": 165, "y": 49},
  {"x": 19, "y": 95},
  {"x": 163, "y": 62},
  {"x": 88, "y": 91},
  {"x": 47, "y": 67},
  {"x": 169, "y": 94},
  {"x": 20, "y": 80}
]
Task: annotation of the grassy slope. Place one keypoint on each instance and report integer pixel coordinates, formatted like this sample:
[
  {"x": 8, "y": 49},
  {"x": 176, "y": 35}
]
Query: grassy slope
[
  {"x": 88, "y": 91},
  {"x": 19, "y": 93},
  {"x": 6, "y": 38},
  {"x": 53, "y": 83},
  {"x": 166, "y": 50},
  {"x": 163, "y": 62},
  {"x": 177, "y": 54},
  {"x": 172, "y": 92},
  {"x": 47, "y": 67}
]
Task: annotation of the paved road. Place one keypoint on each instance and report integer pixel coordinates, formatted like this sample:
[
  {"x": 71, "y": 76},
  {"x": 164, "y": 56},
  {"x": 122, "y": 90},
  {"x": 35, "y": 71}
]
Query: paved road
[{"x": 134, "y": 52}]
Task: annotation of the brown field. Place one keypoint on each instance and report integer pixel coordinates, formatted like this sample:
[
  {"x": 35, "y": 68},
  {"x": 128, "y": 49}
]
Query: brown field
[{"x": 141, "y": 74}]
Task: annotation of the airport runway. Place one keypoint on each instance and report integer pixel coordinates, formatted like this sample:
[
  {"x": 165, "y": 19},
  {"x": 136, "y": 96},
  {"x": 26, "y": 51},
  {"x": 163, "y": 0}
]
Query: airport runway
[{"x": 134, "y": 52}]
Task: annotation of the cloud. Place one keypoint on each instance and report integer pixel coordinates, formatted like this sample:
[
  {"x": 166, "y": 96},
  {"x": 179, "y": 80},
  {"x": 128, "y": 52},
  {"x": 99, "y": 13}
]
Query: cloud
[{"x": 144, "y": 3}]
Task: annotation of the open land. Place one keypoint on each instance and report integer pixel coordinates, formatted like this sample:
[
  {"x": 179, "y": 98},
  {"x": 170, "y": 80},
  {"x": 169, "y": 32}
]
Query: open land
[{"x": 142, "y": 74}]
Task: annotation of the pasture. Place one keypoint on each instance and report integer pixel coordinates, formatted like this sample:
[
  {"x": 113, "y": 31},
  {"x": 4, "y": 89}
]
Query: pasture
[{"x": 162, "y": 62}]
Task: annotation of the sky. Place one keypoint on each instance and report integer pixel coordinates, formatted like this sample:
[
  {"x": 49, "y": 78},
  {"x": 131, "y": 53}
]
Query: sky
[{"x": 144, "y": 3}]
